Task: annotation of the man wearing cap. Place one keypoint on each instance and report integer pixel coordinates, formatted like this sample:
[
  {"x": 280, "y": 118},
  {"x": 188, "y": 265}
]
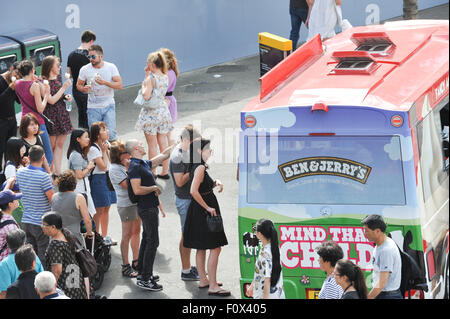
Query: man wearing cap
[
  {"x": 37, "y": 189},
  {"x": 8, "y": 203}
]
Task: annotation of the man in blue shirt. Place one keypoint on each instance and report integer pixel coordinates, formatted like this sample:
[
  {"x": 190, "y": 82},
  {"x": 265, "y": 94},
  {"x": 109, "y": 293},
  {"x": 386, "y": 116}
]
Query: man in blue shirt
[
  {"x": 9, "y": 273},
  {"x": 37, "y": 190},
  {"x": 144, "y": 186}
]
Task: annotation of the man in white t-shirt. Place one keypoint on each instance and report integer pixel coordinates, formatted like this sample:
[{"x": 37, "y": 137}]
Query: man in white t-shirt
[
  {"x": 386, "y": 260},
  {"x": 99, "y": 79}
]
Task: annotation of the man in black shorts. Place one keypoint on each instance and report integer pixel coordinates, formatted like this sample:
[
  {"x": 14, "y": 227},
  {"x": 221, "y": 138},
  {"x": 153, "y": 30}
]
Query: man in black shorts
[{"x": 77, "y": 59}]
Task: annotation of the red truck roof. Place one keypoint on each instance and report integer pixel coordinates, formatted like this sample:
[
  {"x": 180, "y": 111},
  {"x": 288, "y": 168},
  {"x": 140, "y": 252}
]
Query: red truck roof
[{"x": 386, "y": 66}]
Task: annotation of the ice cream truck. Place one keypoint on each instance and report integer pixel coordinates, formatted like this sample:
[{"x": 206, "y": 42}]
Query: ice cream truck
[{"x": 354, "y": 126}]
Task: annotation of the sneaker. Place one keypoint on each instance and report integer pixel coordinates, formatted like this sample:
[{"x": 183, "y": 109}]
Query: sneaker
[
  {"x": 191, "y": 276},
  {"x": 109, "y": 241},
  {"x": 155, "y": 278},
  {"x": 194, "y": 270},
  {"x": 149, "y": 285}
]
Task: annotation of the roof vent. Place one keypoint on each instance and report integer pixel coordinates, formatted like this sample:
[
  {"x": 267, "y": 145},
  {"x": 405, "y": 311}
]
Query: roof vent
[
  {"x": 353, "y": 62},
  {"x": 375, "y": 43}
]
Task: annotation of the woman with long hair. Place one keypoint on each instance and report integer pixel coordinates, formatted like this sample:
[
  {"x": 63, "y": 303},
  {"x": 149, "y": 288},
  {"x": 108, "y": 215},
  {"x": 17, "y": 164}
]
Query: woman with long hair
[
  {"x": 78, "y": 162},
  {"x": 156, "y": 121},
  {"x": 196, "y": 234},
  {"x": 103, "y": 197},
  {"x": 60, "y": 257},
  {"x": 351, "y": 278},
  {"x": 172, "y": 73},
  {"x": 33, "y": 96},
  {"x": 14, "y": 159},
  {"x": 56, "y": 108},
  {"x": 29, "y": 130},
  {"x": 268, "y": 279}
]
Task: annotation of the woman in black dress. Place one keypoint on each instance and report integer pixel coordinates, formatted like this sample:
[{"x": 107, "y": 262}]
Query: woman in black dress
[
  {"x": 351, "y": 278},
  {"x": 196, "y": 234}
]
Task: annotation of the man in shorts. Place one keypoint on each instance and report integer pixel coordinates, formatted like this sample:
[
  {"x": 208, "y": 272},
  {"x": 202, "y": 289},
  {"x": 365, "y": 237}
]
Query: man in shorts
[
  {"x": 178, "y": 167},
  {"x": 99, "y": 79}
]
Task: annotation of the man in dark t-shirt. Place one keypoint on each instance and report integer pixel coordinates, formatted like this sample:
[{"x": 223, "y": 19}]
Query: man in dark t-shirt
[
  {"x": 298, "y": 9},
  {"x": 76, "y": 60},
  {"x": 144, "y": 186},
  {"x": 8, "y": 123}
]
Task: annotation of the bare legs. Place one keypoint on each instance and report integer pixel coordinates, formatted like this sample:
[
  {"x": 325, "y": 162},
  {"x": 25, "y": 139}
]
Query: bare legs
[
  {"x": 153, "y": 142},
  {"x": 57, "y": 145},
  {"x": 213, "y": 260},
  {"x": 101, "y": 219},
  {"x": 130, "y": 237}
]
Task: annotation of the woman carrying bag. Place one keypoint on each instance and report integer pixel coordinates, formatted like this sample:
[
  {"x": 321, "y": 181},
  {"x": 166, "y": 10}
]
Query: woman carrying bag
[{"x": 198, "y": 233}]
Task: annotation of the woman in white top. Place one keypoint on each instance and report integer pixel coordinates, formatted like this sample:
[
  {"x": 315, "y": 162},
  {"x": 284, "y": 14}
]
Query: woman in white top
[
  {"x": 78, "y": 162},
  {"x": 268, "y": 279},
  {"x": 103, "y": 197},
  {"x": 155, "y": 119}
]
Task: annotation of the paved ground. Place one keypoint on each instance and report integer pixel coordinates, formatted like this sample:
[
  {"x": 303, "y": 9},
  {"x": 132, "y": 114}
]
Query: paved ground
[{"x": 210, "y": 98}]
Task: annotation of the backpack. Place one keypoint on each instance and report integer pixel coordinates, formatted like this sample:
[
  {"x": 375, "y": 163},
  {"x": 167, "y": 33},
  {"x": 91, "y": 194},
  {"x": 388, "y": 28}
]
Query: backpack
[
  {"x": 131, "y": 195},
  {"x": 411, "y": 273}
]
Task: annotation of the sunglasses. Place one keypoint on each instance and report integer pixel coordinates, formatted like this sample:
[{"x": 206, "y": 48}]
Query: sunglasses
[{"x": 92, "y": 57}]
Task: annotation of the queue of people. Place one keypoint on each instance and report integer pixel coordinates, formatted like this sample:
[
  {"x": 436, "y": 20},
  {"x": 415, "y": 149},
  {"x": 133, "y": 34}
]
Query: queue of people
[{"x": 101, "y": 171}]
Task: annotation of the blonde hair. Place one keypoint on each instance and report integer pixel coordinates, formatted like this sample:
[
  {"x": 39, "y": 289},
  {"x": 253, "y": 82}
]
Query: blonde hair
[
  {"x": 172, "y": 62},
  {"x": 159, "y": 60}
]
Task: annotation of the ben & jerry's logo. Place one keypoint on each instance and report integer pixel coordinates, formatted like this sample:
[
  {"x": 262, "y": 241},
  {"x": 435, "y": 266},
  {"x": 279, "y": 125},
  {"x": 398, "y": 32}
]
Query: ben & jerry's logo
[{"x": 324, "y": 166}]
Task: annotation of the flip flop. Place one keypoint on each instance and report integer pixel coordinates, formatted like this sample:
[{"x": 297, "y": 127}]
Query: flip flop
[
  {"x": 220, "y": 293},
  {"x": 220, "y": 284}
]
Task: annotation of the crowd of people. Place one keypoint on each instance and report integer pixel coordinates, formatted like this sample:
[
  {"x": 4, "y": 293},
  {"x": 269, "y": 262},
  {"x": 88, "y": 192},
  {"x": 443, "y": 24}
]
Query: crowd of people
[
  {"x": 48, "y": 211},
  {"x": 40, "y": 229}
]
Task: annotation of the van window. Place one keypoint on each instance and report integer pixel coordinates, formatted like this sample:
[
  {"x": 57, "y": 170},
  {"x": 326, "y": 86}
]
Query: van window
[{"x": 347, "y": 170}]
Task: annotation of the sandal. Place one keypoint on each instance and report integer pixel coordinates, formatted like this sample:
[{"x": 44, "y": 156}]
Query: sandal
[
  {"x": 128, "y": 272},
  {"x": 220, "y": 293},
  {"x": 134, "y": 264}
]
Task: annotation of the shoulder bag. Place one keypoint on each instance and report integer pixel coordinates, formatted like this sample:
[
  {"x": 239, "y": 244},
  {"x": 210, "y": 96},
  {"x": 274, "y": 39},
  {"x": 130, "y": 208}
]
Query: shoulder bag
[{"x": 48, "y": 123}]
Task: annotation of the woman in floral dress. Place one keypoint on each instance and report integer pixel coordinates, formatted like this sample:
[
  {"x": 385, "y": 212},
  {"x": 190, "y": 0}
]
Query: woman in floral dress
[{"x": 155, "y": 119}]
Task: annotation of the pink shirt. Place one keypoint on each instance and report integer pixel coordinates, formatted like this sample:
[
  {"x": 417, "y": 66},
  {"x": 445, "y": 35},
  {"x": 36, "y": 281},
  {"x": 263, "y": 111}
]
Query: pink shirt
[
  {"x": 23, "y": 89},
  {"x": 3, "y": 232}
]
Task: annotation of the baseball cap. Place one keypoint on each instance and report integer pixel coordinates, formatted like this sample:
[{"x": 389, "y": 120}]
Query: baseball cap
[{"x": 8, "y": 196}]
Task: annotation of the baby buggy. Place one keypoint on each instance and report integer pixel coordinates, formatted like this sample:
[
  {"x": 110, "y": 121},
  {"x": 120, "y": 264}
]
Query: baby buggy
[{"x": 102, "y": 254}]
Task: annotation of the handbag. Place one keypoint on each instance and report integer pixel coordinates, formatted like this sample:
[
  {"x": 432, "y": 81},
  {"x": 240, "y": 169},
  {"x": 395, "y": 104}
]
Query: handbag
[
  {"x": 214, "y": 223},
  {"x": 86, "y": 262},
  {"x": 48, "y": 123},
  {"x": 85, "y": 259},
  {"x": 141, "y": 102}
]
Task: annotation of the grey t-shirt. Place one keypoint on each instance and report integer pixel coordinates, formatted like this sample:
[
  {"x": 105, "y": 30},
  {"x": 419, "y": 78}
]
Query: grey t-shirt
[
  {"x": 117, "y": 174},
  {"x": 179, "y": 162},
  {"x": 386, "y": 258}
]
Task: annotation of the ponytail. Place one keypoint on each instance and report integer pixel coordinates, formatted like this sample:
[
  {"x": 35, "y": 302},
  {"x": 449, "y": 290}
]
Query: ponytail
[
  {"x": 359, "y": 283},
  {"x": 354, "y": 275},
  {"x": 267, "y": 229},
  {"x": 159, "y": 60}
]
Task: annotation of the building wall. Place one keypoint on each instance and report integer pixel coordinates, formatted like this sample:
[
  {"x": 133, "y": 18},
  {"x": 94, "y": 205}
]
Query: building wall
[{"x": 200, "y": 32}]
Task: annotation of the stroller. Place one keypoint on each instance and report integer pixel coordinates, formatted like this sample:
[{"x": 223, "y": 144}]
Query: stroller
[{"x": 102, "y": 254}]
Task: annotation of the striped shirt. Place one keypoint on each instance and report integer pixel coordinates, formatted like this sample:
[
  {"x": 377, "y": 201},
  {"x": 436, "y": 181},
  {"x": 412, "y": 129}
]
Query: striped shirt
[
  {"x": 330, "y": 289},
  {"x": 34, "y": 183}
]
